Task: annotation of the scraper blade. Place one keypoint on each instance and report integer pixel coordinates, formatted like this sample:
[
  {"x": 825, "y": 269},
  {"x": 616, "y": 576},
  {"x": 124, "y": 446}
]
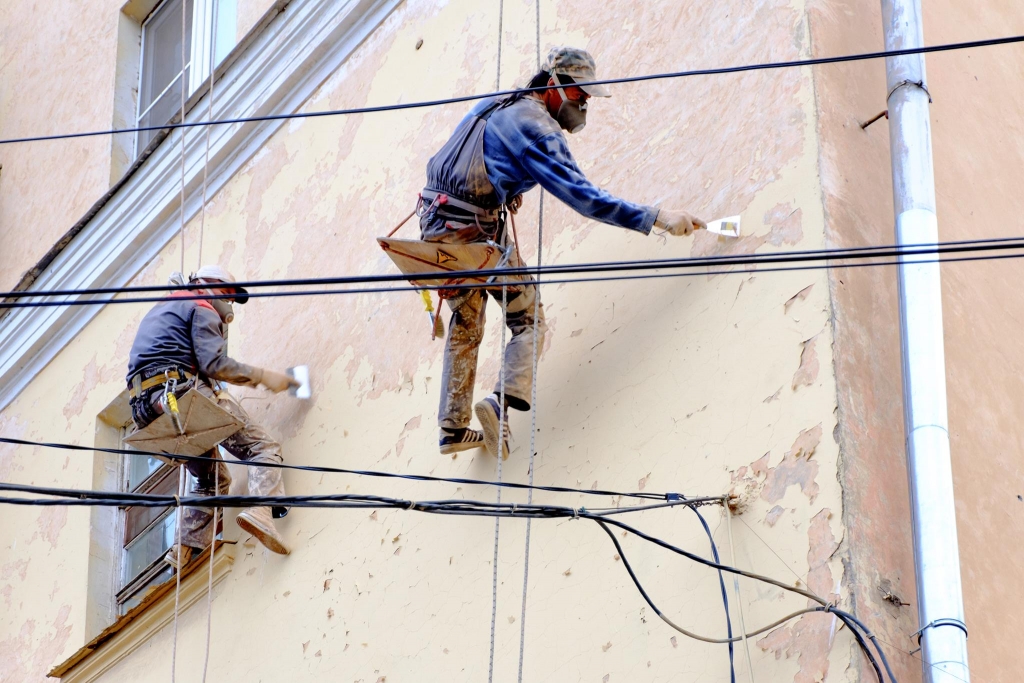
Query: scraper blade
[
  {"x": 300, "y": 373},
  {"x": 727, "y": 227}
]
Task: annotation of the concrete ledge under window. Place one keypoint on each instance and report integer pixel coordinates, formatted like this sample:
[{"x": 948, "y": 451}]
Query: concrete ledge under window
[{"x": 155, "y": 611}]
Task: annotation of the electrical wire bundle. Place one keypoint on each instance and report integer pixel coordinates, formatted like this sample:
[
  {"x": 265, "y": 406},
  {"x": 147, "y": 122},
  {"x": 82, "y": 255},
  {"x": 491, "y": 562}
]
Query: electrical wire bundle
[
  {"x": 785, "y": 261},
  {"x": 603, "y": 517}
]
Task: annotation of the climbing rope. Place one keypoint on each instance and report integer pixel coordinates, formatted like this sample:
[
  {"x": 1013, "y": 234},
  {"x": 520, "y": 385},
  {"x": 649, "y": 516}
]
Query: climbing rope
[
  {"x": 177, "y": 572},
  {"x": 501, "y": 404},
  {"x": 533, "y": 404},
  {"x": 209, "y": 581},
  {"x": 206, "y": 157},
  {"x": 181, "y": 207}
]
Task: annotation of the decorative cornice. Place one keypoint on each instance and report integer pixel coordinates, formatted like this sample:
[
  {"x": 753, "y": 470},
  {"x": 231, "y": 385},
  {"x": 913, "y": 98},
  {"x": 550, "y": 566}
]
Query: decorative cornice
[{"x": 277, "y": 72}]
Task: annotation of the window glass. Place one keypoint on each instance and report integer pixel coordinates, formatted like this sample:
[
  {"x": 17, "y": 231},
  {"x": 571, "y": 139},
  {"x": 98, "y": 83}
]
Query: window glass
[
  {"x": 161, "y": 73},
  {"x": 136, "y": 597},
  {"x": 149, "y": 547},
  {"x": 137, "y": 519},
  {"x": 140, "y": 468}
]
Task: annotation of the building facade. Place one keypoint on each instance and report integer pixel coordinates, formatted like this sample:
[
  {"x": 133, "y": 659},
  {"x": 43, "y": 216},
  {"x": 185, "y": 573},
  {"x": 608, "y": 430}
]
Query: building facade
[{"x": 781, "y": 389}]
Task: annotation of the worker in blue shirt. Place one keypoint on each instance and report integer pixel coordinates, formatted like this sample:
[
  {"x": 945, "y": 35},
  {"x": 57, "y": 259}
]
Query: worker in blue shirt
[{"x": 501, "y": 149}]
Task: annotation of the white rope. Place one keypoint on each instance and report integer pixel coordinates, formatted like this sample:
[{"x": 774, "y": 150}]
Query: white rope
[
  {"x": 177, "y": 572},
  {"x": 501, "y": 406},
  {"x": 209, "y": 584},
  {"x": 533, "y": 433},
  {"x": 184, "y": 86},
  {"x": 533, "y": 404},
  {"x": 209, "y": 117},
  {"x": 736, "y": 589}
]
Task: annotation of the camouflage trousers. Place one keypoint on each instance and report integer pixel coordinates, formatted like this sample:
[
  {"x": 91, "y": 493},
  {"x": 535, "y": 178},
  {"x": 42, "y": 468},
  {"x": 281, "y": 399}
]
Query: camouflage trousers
[
  {"x": 466, "y": 331},
  {"x": 252, "y": 444}
]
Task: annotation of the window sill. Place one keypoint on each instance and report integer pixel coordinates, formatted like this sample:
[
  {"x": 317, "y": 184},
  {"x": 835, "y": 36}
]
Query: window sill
[{"x": 136, "y": 626}]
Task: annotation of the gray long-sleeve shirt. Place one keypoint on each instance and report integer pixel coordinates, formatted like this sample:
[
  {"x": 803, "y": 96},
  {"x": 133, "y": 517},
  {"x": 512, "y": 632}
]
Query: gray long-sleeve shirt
[{"x": 187, "y": 334}]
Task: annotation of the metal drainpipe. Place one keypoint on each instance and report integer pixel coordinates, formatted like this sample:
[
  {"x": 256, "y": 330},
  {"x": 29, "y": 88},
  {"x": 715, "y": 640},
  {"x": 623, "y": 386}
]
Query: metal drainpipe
[{"x": 936, "y": 554}]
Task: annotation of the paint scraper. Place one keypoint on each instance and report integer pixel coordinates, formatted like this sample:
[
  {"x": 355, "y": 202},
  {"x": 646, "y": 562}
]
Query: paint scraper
[
  {"x": 726, "y": 227},
  {"x": 300, "y": 373}
]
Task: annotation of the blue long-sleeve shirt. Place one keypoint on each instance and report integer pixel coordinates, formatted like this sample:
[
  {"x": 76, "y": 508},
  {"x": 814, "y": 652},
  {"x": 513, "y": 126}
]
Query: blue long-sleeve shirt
[{"x": 524, "y": 147}]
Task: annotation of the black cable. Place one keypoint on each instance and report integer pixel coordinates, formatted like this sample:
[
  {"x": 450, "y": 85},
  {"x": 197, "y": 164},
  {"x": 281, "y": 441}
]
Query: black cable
[
  {"x": 874, "y": 641},
  {"x": 863, "y": 645},
  {"x": 815, "y": 61},
  {"x": 79, "y": 497},
  {"x": 617, "y": 278},
  {"x": 780, "y": 257},
  {"x": 725, "y": 595},
  {"x": 826, "y": 608},
  {"x": 363, "y": 473}
]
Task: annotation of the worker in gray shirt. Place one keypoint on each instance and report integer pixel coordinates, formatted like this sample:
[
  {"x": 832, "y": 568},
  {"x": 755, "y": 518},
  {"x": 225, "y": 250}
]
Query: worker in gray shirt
[{"x": 181, "y": 344}]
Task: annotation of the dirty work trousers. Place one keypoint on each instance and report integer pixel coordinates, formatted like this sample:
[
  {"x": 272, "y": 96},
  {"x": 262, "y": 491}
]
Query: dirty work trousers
[
  {"x": 251, "y": 443},
  {"x": 466, "y": 331}
]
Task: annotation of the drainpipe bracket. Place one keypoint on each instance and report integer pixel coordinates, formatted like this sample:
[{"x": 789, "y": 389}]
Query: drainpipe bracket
[
  {"x": 906, "y": 82},
  {"x": 939, "y": 622}
]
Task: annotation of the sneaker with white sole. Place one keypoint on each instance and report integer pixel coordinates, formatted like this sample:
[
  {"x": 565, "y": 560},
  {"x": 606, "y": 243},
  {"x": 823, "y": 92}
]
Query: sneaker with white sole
[
  {"x": 488, "y": 412},
  {"x": 177, "y": 561},
  {"x": 458, "y": 440},
  {"x": 258, "y": 522}
]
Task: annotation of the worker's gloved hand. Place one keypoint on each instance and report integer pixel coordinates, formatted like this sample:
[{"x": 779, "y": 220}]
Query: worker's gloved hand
[
  {"x": 277, "y": 381},
  {"x": 677, "y": 222}
]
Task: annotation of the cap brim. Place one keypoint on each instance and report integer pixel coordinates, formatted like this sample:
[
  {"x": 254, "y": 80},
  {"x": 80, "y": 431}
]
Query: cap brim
[
  {"x": 596, "y": 90},
  {"x": 241, "y": 295}
]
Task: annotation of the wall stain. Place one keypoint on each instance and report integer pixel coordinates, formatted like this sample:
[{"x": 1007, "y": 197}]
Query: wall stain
[
  {"x": 796, "y": 468},
  {"x": 807, "y": 372},
  {"x": 808, "y": 637}
]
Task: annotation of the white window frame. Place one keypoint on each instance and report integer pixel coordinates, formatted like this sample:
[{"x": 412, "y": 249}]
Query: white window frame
[{"x": 214, "y": 24}]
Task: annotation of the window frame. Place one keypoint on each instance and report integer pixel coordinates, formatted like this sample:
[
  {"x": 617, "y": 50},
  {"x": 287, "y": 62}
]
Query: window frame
[
  {"x": 139, "y": 112},
  {"x": 210, "y": 20},
  {"x": 128, "y": 588}
]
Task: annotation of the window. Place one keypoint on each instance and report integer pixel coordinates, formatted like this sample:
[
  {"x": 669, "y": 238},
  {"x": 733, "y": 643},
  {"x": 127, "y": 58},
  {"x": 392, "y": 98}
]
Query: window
[
  {"x": 148, "y": 532},
  {"x": 209, "y": 32}
]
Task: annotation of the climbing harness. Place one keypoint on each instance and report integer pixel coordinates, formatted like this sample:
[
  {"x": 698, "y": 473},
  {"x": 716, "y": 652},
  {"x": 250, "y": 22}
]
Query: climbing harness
[{"x": 422, "y": 257}]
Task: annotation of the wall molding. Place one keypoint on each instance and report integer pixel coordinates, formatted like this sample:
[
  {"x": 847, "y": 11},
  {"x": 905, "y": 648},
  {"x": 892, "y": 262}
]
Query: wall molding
[
  {"x": 136, "y": 627},
  {"x": 278, "y": 71}
]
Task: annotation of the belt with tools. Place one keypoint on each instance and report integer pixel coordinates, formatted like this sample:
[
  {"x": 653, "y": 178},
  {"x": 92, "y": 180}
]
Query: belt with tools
[{"x": 137, "y": 385}]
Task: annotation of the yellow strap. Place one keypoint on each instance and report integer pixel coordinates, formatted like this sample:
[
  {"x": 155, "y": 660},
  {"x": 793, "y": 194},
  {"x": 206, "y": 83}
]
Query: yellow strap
[
  {"x": 425, "y": 294},
  {"x": 157, "y": 380}
]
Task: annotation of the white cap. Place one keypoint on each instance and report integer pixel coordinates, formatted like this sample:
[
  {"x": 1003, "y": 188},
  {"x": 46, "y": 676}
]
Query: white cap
[{"x": 221, "y": 274}]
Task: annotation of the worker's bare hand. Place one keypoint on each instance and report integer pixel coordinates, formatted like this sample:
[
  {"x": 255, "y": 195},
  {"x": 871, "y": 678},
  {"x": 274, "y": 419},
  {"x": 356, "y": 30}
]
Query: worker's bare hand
[
  {"x": 677, "y": 222},
  {"x": 514, "y": 204},
  {"x": 277, "y": 381}
]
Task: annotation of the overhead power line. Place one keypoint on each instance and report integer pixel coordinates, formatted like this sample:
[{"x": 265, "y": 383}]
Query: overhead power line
[
  {"x": 816, "y": 61},
  {"x": 78, "y": 497},
  {"x": 856, "y": 254},
  {"x": 671, "y": 497}
]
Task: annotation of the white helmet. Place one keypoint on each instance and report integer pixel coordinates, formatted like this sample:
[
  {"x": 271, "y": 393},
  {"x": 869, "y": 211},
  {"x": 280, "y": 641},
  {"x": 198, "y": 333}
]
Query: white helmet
[{"x": 221, "y": 274}]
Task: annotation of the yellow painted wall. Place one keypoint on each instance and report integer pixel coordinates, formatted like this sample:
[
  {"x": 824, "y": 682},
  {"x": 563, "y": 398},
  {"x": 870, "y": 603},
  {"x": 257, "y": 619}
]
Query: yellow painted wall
[{"x": 706, "y": 384}]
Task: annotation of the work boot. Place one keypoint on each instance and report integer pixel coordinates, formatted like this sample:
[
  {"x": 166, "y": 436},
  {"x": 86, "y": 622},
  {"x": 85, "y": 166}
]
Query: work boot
[
  {"x": 258, "y": 522},
  {"x": 171, "y": 556},
  {"x": 458, "y": 440},
  {"x": 488, "y": 411}
]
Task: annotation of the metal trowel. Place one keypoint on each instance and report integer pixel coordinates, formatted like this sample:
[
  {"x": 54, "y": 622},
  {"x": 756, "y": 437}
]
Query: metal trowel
[
  {"x": 726, "y": 227},
  {"x": 300, "y": 373}
]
